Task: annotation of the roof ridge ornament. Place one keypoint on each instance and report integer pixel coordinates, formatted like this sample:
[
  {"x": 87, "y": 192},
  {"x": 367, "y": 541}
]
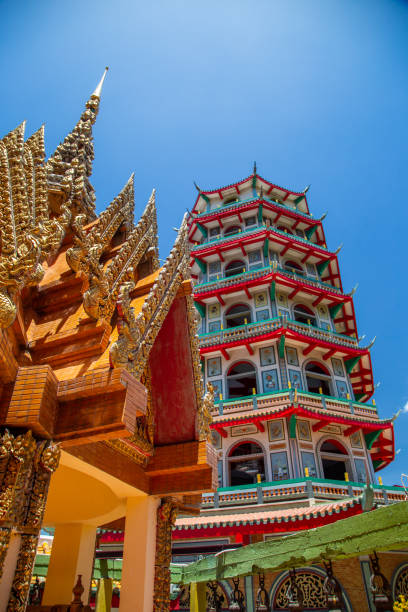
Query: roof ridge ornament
[
  {"x": 324, "y": 215},
  {"x": 105, "y": 283},
  {"x": 254, "y": 172},
  {"x": 27, "y": 233},
  {"x": 354, "y": 289},
  {"x": 367, "y": 348},
  {"x": 137, "y": 334},
  {"x": 306, "y": 189},
  {"x": 337, "y": 251}
]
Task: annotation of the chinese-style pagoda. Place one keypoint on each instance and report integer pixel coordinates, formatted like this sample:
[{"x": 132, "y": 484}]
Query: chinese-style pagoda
[
  {"x": 96, "y": 411},
  {"x": 296, "y": 434}
]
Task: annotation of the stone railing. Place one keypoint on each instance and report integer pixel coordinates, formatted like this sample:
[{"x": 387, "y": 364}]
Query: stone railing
[
  {"x": 228, "y": 281},
  {"x": 318, "y": 489},
  {"x": 220, "y": 240},
  {"x": 260, "y": 328},
  {"x": 262, "y": 401}
]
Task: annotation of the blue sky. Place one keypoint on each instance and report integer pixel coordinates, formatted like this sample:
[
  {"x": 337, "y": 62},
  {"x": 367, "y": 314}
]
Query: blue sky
[{"x": 316, "y": 92}]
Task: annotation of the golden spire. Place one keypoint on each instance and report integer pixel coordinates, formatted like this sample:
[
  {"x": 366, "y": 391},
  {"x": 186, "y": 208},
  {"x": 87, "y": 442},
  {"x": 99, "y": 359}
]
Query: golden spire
[
  {"x": 72, "y": 160},
  {"x": 98, "y": 90}
]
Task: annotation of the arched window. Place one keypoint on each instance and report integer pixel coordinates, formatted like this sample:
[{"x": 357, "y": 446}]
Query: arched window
[
  {"x": 234, "y": 267},
  {"x": 241, "y": 380},
  {"x": 303, "y": 314},
  {"x": 233, "y": 229},
  {"x": 239, "y": 314},
  {"x": 335, "y": 460},
  {"x": 293, "y": 266},
  {"x": 317, "y": 378},
  {"x": 246, "y": 461}
]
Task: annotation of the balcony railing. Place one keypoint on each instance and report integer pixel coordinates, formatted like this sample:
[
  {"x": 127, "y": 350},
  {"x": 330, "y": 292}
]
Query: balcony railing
[
  {"x": 294, "y": 490},
  {"x": 225, "y": 239},
  {"x": 237, "y": 205},
  {"x": 287, "y": 396},
  {"x": 259, "y": 328},
  {"x": 228, "y": 281}
]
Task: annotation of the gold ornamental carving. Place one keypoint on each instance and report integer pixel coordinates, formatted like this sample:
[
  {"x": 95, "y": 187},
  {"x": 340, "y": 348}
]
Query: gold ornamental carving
[
  {"x": 137, "y": 334},
  {"x": 28, "y": 234},
  {"x": 166, "y": 518},
  {"x": 204, "y": 417},
  {"x": 26, "y": 466}
]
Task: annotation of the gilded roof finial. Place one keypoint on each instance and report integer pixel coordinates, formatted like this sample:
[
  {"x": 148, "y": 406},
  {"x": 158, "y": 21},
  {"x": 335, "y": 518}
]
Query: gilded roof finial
[
  {"x": 254, "y": 167},
  {"x": 98, "y": 89}
]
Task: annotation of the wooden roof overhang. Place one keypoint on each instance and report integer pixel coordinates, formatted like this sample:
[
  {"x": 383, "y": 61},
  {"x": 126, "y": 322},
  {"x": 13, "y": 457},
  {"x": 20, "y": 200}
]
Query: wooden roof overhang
[
  {"x": 379, "y": 434},
  {"x": 340, "y": 304},
  {"x": 286, "y": 244},
  {"x": 254, "y": 181},
  {"x": 234, "y": 212}
]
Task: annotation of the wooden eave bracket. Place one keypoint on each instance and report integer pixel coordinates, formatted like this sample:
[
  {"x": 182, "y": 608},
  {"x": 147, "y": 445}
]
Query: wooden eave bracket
[
  {"x": 185, "y": 468},
  {"x": 100, "y": 405}
]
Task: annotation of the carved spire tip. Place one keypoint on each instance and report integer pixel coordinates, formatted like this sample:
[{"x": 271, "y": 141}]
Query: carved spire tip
[{"x": 98, "y": 90}]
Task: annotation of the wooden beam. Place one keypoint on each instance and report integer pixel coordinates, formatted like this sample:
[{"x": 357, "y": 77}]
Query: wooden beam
[
  {"x": 319, "y": 425},
  {"x": 309, "y": 348},
  {"x": 329, "y": 354},
  {"x": 350, "y": 430},
  {"x": 260, "y": 427},
  {"x": 249, "y": 349},
  {"x": 318, "y": 300},
  {"x": 294, "y": 292},
  {"x": 225, "y": 353},
  {"x": 249, "y": 296}
]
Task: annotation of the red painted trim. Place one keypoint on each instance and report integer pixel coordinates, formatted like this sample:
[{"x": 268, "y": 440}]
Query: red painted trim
[
  {"x": 303, "y": 411},
  {"x": 221, "y": 301},
  {"x": 294, "y": 293},
  {"x": 329, "y": 354},
  {"x": 309, "y": 348},
  {"x": 225, "y": 354},
  {"x": 240, "y": 443},
  {"x": 221, "y": 431},
  {"x": 319, "y": 365},
  {"x": 350, "y": 430},
  {"x": 319, "y": 425},
  {"x": 250, "y": 349},
  {"x": 318, "y": 300},
  {"x": 234, "y": 365},
  {"x": 249, "y": 296}
]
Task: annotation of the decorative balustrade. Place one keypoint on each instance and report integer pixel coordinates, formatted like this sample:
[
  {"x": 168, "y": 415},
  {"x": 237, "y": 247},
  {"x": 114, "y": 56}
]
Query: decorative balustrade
[
  {"x": 297, "y": 489},
  {"x": 238, "y": 205},
  {"x": 260, "y": 328},
  {"x": 228, "y": 281},
  {"x": 287, "y": 396},
  {"x": 220, "y": 240}
]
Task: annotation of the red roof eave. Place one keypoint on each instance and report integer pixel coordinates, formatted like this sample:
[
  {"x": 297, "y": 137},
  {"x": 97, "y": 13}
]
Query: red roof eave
[
  {"x": 303, "y": 411},
  {"x": 237, "y": 184}
]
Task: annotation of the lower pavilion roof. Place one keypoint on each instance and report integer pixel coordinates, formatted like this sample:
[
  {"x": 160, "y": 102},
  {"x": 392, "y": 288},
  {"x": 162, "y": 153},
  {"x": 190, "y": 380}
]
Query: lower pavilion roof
[
  {"x": 291, "y": 519},
  {"x": 383, "y": 529}
]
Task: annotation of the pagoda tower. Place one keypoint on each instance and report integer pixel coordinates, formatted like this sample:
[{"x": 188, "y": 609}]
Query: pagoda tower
[{"x": 296, "y": 430}]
